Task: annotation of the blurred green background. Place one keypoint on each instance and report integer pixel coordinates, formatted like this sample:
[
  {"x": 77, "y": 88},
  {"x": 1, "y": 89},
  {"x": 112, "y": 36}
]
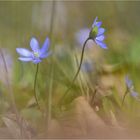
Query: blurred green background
[{"x": 21, "y": 20}]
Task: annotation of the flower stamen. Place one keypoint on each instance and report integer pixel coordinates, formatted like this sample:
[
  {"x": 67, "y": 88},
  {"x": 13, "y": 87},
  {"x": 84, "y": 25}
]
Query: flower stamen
[{"x": 36, "y": 54}]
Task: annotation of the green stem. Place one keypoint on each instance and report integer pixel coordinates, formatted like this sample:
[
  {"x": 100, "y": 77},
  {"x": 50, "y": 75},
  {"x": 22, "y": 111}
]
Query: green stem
[
  {"x": 81, "y": 60},
  {"x": 93, "y": 97},
  {"x": 124, "y": 97},
  {"x": 35, "y": 81}
]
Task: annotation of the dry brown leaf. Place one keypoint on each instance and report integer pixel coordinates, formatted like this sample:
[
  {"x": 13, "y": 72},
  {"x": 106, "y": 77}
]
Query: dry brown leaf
[
  {"x": 83, "y": 122},
  {"x": 12, "y": 127}
]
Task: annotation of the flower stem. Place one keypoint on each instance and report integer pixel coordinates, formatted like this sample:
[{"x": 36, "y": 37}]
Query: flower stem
[
  {"x": 78, "y": 70},
  {"x": 93, "y": 96},
  {"x": 35, "y": 81},
  {"x": 124, "y": 97}
]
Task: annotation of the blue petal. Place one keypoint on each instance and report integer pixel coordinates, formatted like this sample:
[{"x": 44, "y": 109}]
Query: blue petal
[
  {"x": 94, "y": 22},
  {"x": 100, "y": 38},
  {"x": 36, "y": 61},
  {"x": 24, "y": 52},
  {"x": 45, "y": 46},
  {"x": 45, "y": 55},
  {"x": 82, "y": 35},
  {"x": 129, "y": 82},
  {"x": 25, "y": 59},
  {"x": 87, "y": 66},
  {"x": 98, "y": 24},
  {"x": 134, "y": 94},
  {"x": 34, "y": 44},
  {"x": 100, "y": 31},
  {"x": 101, "y": 44}
]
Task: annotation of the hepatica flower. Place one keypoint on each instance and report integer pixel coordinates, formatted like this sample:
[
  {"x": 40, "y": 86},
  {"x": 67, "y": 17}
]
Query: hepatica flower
[
  {"x": 87, "y": 66},
  {"x": 97, "y": 34},
  {"x": 128, "y": 82},
  {"x": 36, "y": 54},
  {"x": 130, "y": 88},
  {"x": 82, "y": 35}
]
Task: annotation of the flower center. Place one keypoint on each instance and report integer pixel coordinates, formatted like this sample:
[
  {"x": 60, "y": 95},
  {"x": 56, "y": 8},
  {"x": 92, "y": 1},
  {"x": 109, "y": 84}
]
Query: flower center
[{"x": 36, "y": 54}]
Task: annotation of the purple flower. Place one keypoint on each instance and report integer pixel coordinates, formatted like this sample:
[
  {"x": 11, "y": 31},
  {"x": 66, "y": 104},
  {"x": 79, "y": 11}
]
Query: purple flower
[
  {"x": 134, "y": 94},
  {"x": 97, "y": 34},
  {"x": 37, "y": 53},
  {"x": 128, "y": 82},
  {"x": 87, "y": 66},
  {"x": 82, "y": 35},
  {"x": 130, "y": 88}
]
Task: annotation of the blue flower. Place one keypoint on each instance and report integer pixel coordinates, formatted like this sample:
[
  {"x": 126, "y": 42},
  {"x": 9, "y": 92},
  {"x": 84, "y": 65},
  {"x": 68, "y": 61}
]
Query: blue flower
[
  {"x": 82, "y": 35},
  {"x": 87, "y": 66},
  {"x": 37, "y": 53},
  {"x": 128, "y": 82},
  {"x": 134, "y": 94},
  {"x": 97, "y": 33},
  {"x": 130, "y": 88}
]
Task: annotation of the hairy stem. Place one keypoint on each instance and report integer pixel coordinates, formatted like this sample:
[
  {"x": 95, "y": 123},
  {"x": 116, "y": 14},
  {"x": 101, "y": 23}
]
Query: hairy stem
[
  {"x": 93, "y": 97},
  {"x": 35, "y": 81},
  {"x": 78, "y": 70},
  {"x": 124, "y": 97}
]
